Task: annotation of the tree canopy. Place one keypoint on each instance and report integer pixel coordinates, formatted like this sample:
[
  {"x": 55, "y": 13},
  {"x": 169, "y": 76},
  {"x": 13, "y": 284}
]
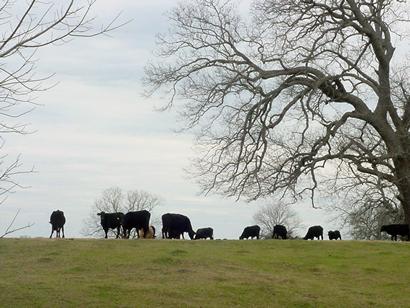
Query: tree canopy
[{"x": 292, "y": 97}]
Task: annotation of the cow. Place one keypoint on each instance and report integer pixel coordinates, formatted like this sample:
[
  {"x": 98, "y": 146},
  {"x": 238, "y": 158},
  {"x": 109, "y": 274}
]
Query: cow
[
  {"x": 279, "y": 231},
  {"x": 204, "y": 233},
  {"x": 111, "y": 221},
  {"x": 250, "y": 232},
  {"x": 57, "y": 221},
  {"x": 150, "y": 233},
  {"x": 174, "y": 225},
  {"x": 314, "y": 231},
  {"x": 334, "y": 235},
  {"x": 138, "y": 220},
  {"x": 396, "y": 229}
]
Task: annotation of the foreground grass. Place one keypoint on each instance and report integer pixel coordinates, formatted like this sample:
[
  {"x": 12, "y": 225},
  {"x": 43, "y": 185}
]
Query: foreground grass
[{"x": 142, "y": 273}]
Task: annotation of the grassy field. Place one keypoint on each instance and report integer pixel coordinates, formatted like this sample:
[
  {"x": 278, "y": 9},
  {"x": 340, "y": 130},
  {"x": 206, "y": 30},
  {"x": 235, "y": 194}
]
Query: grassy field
[{"x": 147, "y": 273}]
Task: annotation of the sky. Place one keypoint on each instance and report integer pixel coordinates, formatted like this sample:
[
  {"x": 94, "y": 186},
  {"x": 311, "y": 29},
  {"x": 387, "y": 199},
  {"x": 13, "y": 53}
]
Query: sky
[{"x": 95, "y": 130}]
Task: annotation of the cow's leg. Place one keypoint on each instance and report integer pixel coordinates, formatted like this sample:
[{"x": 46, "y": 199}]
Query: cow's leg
[
  {"x": 118, "y": 232},
  {"x": 52, "y": 231},
  {"x": 183, "y": 235},
  {"x": 106, "y": 233},
  {"x": 62, "y": 229}
]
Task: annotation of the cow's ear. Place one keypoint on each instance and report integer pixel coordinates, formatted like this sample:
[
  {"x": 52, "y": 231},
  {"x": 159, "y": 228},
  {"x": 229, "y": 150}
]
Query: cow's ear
[{"x": 99, "y": 214}]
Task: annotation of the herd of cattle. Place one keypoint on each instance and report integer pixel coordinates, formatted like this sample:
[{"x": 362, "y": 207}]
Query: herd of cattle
[{"x": 175, "y": 225}]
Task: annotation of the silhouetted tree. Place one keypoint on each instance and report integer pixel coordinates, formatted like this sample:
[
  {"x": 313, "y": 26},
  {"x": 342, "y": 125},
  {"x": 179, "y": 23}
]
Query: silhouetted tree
[
  {"x": 113, "y": 200},
  {"x": 277, "y": 213},
  {"x": 292, "y": 95},
  {"x": 26, "y": 27}
]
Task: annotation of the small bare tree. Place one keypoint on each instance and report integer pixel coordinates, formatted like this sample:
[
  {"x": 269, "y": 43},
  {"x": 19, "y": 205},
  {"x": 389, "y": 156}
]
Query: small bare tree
[
  {"x": 293, "y": 94},
  {"x": 365, "y": 208},
  {"x": 277, "y": 213},
  {"x": 113, "y": 200},
  {"x": 26, "y": 27}
]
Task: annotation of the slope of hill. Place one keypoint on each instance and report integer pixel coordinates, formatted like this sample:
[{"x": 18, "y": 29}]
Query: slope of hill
[{"x": 142, "y": 273}]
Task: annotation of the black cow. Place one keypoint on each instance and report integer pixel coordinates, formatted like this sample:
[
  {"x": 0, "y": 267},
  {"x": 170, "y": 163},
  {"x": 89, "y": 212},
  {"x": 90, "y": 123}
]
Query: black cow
[
  {"x": 396, "y": 229},
  {"x": 204, "y": 233},
  {"x": 334, "y": 235},
  {"x": 279, "y": 231},
  {"x": 315, "y": 231},
  {"x": 57, "y": 221},
  {"x": 250, "y": 232},
  {"x": 174, "y": 225},
  {"x": 111, "y": 221},
  {"x": 137, "y": 220}
]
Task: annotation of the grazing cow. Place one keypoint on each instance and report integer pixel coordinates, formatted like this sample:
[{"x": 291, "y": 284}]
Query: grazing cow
[
  {"x": 315, "y": 231},
  {"x": 396, "y": 229},
  {"x": 279, "y": 231},
  {"x": 174, "y": 225},
  {"x": 138, "y": 220},
  {"x": 334, "y": 235},
  {"x": 204, "y": 233},
  {"x": 250, "y": 232},
  {"x": 57, "y": 221},
  {"x": 150, "y": 233},
  {"x": 111, "y": 221}
]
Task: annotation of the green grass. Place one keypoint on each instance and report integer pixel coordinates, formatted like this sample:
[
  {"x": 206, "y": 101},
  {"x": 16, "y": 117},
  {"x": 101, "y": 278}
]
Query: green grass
[{"x": 148, "y": 273}]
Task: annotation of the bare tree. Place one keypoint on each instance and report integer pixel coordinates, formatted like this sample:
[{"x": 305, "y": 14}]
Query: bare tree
[
  {"x": 277, "y": 213},
  {"x": 11, "y": 228},
  {"x": 26, "y": 27},
  {"x": 365, "y": 208},
  {"x": 299, "y": 93},
  {"x": 113, "y": 200},
  {"x": 138, "y": 200}
]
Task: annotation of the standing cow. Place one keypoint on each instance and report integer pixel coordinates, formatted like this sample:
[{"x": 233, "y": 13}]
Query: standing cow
[
  {"x": 396, "y": 229},
  {"x": 111, "y": 221},
  {"x": 250, "y": 232},
  {"x": 279, "y": 231},
  {"x": 174, "y": 225},
  {"x": 138, "y": 220},
  {"x": 314, "y": 231},
  {"x": 334, "y": 235},
  {"x": 204, "y": 233},
  {"x": 57, "y": 221}
]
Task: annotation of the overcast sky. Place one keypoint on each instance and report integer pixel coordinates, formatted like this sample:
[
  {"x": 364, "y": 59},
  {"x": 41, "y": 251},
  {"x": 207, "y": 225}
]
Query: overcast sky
[{"x": 94, "y": 130}]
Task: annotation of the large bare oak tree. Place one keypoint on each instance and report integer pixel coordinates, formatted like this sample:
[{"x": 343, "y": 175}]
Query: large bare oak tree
[{"x": 296, "y": 96}]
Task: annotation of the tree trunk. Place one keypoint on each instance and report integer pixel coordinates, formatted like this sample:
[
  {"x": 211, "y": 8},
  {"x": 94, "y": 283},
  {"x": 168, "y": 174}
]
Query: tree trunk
[{"x": 402, "y": 167}]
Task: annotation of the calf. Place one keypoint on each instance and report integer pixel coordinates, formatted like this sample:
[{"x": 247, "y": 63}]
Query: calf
[
  {"x": 138, "y": 220},
  {"x": 204, "y": 233},
  {"x": 111, "y": 221},
  {"x": 150, "y": 233},
  {"x": 396, "y": 229},
  {"x": 174, "y": 225},
  {"x": 334, "y": 235},
  {"x": 314, "y": 231},
  {"x": 279, "y": 231},
  {"x": 57, "y": 221},
  {"x": 250, "y": 232}
]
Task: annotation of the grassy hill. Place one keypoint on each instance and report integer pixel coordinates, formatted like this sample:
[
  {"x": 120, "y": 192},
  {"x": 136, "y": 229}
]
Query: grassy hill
[{"x": 147, "y": 273}]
